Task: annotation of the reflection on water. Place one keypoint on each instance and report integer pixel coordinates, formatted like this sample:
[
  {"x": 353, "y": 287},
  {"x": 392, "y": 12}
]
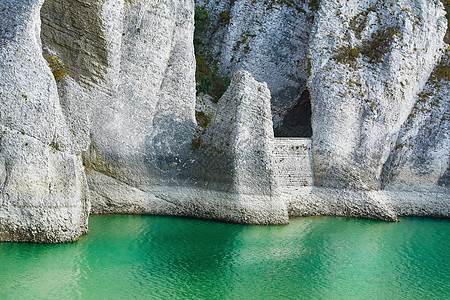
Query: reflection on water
[{"x": 178, "y": 258}]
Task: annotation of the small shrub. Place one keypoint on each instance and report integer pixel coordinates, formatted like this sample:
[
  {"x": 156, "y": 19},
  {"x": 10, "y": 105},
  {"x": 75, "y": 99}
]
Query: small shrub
[
  {"x": 202, "y": 119},
  {"x": 208, "y": 81},
  {"x": 442, "y": 71},
  {"x": 57, "y": 67},
  {"x": 205, "y": 85},
  {"x": 225, "y": 17},
  {"x": 379, "y": 45},
  {"x": 220, "y": 86},
  {"x": 359, "y": 22},
  {"x": 201, "y": 18},
  {"x": 373, "y": 49},
  {"x": 314, "y": 5},
  {"x": 346, "y": 55}
]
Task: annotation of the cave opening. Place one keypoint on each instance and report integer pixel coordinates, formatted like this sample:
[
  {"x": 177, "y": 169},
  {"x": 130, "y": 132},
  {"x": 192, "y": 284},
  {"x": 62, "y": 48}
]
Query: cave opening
[
  {"x": 297, "y": 122},
  {"x": 291, "y": 104}
]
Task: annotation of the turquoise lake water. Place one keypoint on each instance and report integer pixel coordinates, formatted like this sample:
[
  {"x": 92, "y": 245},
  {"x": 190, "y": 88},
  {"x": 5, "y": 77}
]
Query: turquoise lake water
[{"x": 150, "y": 257}]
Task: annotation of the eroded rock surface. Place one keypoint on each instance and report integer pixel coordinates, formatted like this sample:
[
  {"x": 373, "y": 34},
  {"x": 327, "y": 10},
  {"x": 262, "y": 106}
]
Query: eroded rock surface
[
  {"x": 139, "y": 82},
  {"x": 117, "y": 110},
  {"x": 237, "y": 152},
  {"x": 43, "y": 189},
  {"x": 267, "y": 38},
  {"x": 369, "y": 59},
  {"x": 419, "y": 163}
]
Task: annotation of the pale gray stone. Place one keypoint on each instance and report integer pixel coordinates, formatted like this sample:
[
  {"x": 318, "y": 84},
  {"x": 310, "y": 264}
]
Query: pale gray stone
[
  {"x": 369, "y": 59},
  {"x": 120, "y": 124},
  {"x": 43, "y": 191},
  {"x": 267, "y": 38},
  {"x": 420, "y": 159},
  {"x": 236, "y": 148}
]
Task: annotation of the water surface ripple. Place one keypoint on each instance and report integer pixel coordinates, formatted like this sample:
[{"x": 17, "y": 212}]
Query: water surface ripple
[{"x": 151, "y": 257}]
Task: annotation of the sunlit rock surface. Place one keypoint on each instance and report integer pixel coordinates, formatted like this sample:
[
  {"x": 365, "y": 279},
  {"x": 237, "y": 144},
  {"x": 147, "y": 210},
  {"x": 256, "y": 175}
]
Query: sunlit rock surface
[
  {"x": 237, "y": 151},
  {"x": 369, "y": 60},
  {"x": 267, "y": 38},
  {"x": 43, "y": 189},
  {"x": 98, "y": 102}
]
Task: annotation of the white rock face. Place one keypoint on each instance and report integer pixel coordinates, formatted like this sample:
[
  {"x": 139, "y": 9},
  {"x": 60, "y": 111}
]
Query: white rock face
[
  {"x": 230, "y": 172},
  {"x": 136, "y": 64},
  {"x": 421, "y": 156},
  {"x": 237, "y": 152},
  {"x": 43, "y": 190},
  {"x": 267, "y": 38},
  {"x": 120, "y": 124},
  {"x": 369, "y": 59}
]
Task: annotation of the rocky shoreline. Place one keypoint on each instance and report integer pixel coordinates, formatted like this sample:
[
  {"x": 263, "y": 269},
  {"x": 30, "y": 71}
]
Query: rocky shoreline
[{"x": 98, "y": 111}]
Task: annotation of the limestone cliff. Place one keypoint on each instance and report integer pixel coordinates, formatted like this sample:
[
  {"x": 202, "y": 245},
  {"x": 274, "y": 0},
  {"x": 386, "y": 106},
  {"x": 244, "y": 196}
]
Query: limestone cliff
[
  {"x": 98, "y": 106},
  {"x": 135, "y": 61},
  {"x": 369, "y": 60},
  {"x": 267, "y": 38},
  {"x": 141, "y": 99},
  {"x": 43, "y": 188},
  {"x": 380, "y": 141},
  {"x": 236, "y": 150}
]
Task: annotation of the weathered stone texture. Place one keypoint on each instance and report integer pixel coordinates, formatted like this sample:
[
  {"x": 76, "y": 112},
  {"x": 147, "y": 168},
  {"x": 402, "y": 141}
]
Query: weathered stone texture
[
  {"x": 117, "y": 122},
  {"x": 43, "y": 188},
  {"x": 420, "y": 160},
  {"x": 267, "y": 38},
  {"x": 139, "y": 89},
  {"x": 368, "y": 61},
  {"x": 293, "y": 161},
  {"x": 237, "y": 151}
]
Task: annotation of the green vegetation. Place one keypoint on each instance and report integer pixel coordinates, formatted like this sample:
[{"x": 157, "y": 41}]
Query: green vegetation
[
  {"x": 346, "y": 55},
  {"x": 442, "y": 71},
  {"x": 225, "y": 17},
  {"x": 202, "y": 119},
  {"x": 359, "y": 22},
  {"x": 57, "y": 67},
  {"x": 208, "y": 81},
  {"x": 379, "y": 45},
  {"x": 373, "y": 49},
  {"x": 314, "y": 5},
  {"x": 201, "y": 18}
]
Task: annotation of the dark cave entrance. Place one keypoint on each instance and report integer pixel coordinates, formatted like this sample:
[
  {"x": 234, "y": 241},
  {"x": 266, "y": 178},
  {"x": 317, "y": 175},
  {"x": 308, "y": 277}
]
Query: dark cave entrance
[{"x": 297, "y": 122}]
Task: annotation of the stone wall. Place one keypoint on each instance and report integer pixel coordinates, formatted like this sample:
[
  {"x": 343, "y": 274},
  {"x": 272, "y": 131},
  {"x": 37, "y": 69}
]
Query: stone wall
[{"x": 293, "y": 163}]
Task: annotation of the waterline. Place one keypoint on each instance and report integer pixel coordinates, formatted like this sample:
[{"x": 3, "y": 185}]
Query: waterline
[{"x": 177, "y": 258}]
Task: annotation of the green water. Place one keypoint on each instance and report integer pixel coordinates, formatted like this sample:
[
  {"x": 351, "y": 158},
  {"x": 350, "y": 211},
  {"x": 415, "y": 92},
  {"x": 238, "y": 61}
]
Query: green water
[{"x": 126, "y": 257}]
